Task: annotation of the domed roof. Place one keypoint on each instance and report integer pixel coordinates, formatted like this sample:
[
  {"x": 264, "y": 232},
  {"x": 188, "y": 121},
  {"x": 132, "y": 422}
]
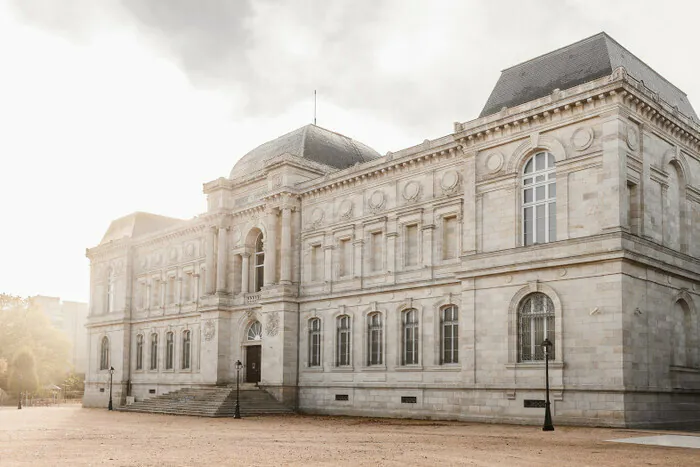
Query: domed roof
[{"x": 309, "y": 142}]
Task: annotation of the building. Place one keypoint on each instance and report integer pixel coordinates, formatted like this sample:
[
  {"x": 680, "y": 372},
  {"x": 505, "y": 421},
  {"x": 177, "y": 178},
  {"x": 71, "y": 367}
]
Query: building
[
  {"x": 69, "y": 317},
  {"x": 421, "y": 283}
]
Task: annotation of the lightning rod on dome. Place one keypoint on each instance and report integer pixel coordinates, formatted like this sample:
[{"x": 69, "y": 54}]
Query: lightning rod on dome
[{"x": 314, "y": 107}]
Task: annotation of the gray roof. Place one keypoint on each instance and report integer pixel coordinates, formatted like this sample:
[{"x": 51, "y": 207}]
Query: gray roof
[
  {"x": 136, "y": 225},
  {"x": 575, "y": 64},
  {"x": 309, "y": 142}
]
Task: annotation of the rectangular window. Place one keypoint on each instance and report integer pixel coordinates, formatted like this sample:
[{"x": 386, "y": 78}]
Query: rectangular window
[
  {"x": 155, "y": 293},
  {"x": 154, "y": 351},
  {"x": 449, "y": 237},
  {"x": 187, "y": 287},
  {"x": 139, "y": 352},
  {"x": 411, "y": 250},
  {"x": 315, "y": 342},
  {"x": 171, "y": 290},
  {"x": 169, "y": 349},
  {"x": 345, "y": 258},
  {"x": 186, "y": 350},
  {"x": 317, "y": 263},
  {"x": 344, "y": 341},
  {"x": 375, "y": 248},
  {"x": 375, "y": 339}
]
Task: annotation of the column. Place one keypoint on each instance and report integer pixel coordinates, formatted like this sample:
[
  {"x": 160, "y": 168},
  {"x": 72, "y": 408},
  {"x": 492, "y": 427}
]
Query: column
[
  {"x": 271, "y": 247},
  {"x": 245, "y": 271},
  {"x": 286, "y": 247},
  {"x": 221, "y": 260},
  {"x": 469, "y": 219},
  {"x": 611, "y": 195},
  {"x": 210, "y": 262}
]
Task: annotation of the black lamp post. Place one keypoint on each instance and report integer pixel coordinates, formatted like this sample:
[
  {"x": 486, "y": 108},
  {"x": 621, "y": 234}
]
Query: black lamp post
[
  {"x": 237, "y": 411},
  {"x": 19, "y": 402},
  {"x": 111, "y": 372},
  {"x": 547, "y": 346}
]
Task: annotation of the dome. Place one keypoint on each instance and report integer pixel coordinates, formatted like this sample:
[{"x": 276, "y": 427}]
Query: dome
[{"x": 309, "y": 142}]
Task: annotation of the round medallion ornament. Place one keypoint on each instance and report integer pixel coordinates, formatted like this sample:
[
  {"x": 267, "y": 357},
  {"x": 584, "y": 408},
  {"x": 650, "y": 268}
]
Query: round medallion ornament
[
  {"x": 449, "y": 181},
  {"x": 376, "y": 200},
  {"x": 345, "y": 209},
  {"x": 494, "y": 162},
  {"x": 209, "y": 330},
  {"x": 411, "y": 191},
  {"x": 582, "y": 138},
  {"x": 632, "y": 137},
  {"x": 317, "y": 217}
]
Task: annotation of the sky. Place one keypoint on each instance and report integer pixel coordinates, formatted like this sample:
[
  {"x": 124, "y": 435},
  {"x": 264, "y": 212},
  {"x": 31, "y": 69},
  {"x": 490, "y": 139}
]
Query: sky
[{"x": 110, "y": 107}]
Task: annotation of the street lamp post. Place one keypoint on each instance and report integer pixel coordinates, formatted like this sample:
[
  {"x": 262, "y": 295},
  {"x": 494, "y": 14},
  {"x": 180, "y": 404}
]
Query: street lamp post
[
  {"x": 111, "y": 372},
  {"x": 19, "y": 402},
  {"x": 548, "y": 426},
  {"x": 237, "y": 411}
]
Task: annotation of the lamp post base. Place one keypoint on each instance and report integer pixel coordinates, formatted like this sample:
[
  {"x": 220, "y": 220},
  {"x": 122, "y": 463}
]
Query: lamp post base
[
  {"x": 548, "y": 426},
  {"x": 237, "y": 411}
]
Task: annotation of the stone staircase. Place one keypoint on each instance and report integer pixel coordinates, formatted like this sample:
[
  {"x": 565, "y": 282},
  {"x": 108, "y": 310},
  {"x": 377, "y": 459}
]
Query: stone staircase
[{"x": 211, "y": 402}]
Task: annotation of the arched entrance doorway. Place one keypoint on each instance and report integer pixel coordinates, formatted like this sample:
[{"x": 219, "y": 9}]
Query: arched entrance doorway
[{"x": 253, "y": 352}]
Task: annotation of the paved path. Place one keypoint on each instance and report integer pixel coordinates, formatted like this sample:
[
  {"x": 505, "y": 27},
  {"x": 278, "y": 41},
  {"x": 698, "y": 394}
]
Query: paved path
[{"x": 70, "y": 435}]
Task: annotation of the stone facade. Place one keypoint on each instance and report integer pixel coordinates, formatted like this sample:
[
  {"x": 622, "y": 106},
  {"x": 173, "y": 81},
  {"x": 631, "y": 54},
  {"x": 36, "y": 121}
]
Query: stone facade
[{"x": 349, "y": 272}]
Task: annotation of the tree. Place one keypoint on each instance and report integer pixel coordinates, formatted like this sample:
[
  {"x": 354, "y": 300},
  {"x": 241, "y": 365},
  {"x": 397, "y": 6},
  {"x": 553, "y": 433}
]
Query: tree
[
  {"x": 26, "y": 330},
  {"x": 23, "y": 372}
]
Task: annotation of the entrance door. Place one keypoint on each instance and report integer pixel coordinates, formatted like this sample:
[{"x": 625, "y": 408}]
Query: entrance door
[{"x": 252, "y": 364}]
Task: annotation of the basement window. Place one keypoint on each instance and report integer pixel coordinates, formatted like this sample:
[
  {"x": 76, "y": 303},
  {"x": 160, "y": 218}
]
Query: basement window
[
  {"x": 409, "y": 400},
  {"x": 342, "y": 397}
]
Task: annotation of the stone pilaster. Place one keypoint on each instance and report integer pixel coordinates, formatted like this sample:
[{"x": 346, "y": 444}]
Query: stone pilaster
[
  {"x": 286, "y": 246},
  {"x": 245, "y": 271},
  {"x": 271, "y": 247},
  {"x": 210, "y": 261}
]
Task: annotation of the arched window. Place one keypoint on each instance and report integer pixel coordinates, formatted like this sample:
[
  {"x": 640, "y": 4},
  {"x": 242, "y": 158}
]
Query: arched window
[
  {"x": 154, "y": 351},
  {"x": 374, "y": 339},
  {"x": 169, "y": 349},
  {"x": 449, "y": 334},
  {"x": 315, "y": 342},
  {"x": 535, "y": 323},
  {"x": 539, "y": 209},
  {"x": 344, "y": 340},
  {"x": 110, "y": 291},
  {"x": 259, "y": 263},
  {"x": 104, "y": 354},
  {"x": 186, "y": 350},
  {"x": 255, "y": 331},
  {"x": 409, "y": 339},
  {"x": 139, "y": 352}
]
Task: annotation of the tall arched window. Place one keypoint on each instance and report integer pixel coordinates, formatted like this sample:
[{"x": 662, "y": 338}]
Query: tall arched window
[
  {"x": 449, "y": 334},
  {"x": 154, "y": 351},
  {"x": 104, "y": 354},
  {"x": 259, "y": 264},
  {"x": 374, "y": 339},
  {"x": 535, "y": 323},
  {"x": 315, "y": 342},
  {"x": 186, "y": 349},
  {"x": 110, "y": 291},
  {"x": 344, "y": 340},
  {"x": 139, "y": 352},
  {"x": 409, "y": 324},
  {"x": 539, "y": 209},
  {"x": 169, "y": 350}
]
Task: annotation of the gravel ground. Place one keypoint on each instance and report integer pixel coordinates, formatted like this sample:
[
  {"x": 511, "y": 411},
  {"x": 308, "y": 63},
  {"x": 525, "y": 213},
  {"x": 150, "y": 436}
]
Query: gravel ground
[{"x": 70, "y": 435}]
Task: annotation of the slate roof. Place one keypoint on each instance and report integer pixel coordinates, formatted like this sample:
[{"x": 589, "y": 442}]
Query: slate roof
[
  {"x": 575, "y": 64},
  {"x": 136, "y": 225},
  {"x": 309, "y": 142}
]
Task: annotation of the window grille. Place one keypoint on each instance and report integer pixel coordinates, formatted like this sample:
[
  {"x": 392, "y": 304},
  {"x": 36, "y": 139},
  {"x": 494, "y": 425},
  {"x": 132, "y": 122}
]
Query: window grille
[
  {"x": 344, "y": 339},
  {"x": 154, "y": 351},
  {"x": 259, "y": 276},
  {"x": 139, "y": 352},
  {"x": 315, "y": 342},
  {"x": 375, "y": 339},
  {"x": 535, "y": 322},
  {"x": 410, "y": 337},
  {"x": 255, "y": 331},
  {"x": 450, "y": 334},
  {"x": 169, "y": 348},
  {"x": 186, "y": 350}
]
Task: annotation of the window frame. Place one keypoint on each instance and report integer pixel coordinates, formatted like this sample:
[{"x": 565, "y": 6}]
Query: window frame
[
  {"x": 534, "y": 336},
  {"x": 413, "y": 327},
  {"x": 186, "y": 360},
  {"x": 453, "y": 325},
  {"x": 528, "y": 182},
  {"x": 153, "y": 353},
  {"x": 139, "y": 352},
  {"x": 259, "y": 263},
  {"x": 104, "y": 353},
  {"x": 169, "y": 350},
  {"x": 315, "y": 343},
  {"x": 378, "y": 330},
  {"x": 343, "y": 346}
]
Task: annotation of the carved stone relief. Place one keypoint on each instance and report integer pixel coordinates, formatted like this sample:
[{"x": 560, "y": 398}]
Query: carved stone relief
[
  {"x": 632, "y": 137},
  {"x": 411, "y": 191},
  {"x": 272, "y": 323},
  {"x": 209, "y": 330},
  {"x": 582, "y": 138},
  {"x": 345, "y": 210},
  {"x": 376, "y": 201},
  {"x": 317, "y": 217},
  {"x": 450, "y": 181}
]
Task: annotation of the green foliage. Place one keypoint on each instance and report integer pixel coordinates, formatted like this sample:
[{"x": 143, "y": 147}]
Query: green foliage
[
  {"x": 25, "y": 332},
  {"x": 23, "y": 372},
  {"x": 74, "y": 382}
]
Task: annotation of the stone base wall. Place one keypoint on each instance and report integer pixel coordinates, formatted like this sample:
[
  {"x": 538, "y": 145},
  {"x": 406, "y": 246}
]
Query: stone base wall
[
  {"x": 287, "y": 395},
  {"x": 587, "y": 408},
  {"x": 679, "y": 410}
]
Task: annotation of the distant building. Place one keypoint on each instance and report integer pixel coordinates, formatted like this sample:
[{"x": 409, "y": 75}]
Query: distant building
[
  {"x": 69, "y": 317},
  {"x": 422, "y": 283}
]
